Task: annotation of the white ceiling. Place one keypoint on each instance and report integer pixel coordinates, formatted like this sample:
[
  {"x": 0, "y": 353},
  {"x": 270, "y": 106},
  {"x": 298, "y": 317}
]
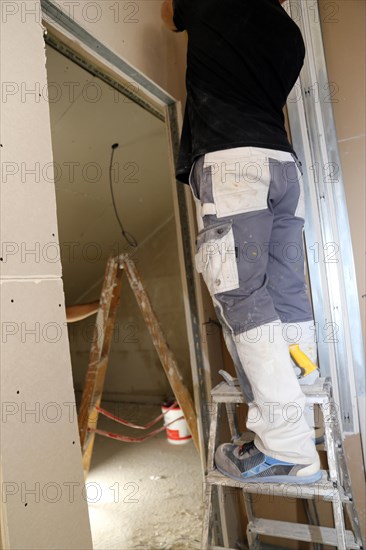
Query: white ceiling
[{"x": 87, "y": 117}]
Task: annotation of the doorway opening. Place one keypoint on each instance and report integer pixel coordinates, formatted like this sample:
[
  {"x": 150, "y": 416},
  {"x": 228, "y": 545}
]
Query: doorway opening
[{"x": 146, "y": 495}]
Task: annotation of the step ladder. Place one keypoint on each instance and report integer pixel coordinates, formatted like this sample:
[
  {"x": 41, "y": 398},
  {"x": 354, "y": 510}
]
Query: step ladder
[
  {"x": 334, "y": 486},
  {"x": 101, "y": 346}
]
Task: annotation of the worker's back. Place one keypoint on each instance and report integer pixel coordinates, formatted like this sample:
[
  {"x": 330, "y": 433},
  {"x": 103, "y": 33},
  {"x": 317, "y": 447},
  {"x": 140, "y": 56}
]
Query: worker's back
[{"x": 244, "y": 57}]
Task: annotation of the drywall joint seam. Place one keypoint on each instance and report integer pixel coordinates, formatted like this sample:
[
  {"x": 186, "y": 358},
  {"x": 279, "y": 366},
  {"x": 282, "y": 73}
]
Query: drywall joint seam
[{"x": 34, "y": 279}]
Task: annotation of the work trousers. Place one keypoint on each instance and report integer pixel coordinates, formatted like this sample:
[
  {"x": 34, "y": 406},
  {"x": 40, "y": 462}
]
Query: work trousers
[{"x": 249, "y": 250}]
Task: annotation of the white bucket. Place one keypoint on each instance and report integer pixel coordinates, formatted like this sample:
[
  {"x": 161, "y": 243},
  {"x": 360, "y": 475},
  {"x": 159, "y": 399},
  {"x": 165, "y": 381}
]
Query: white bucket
[{"x": 177, "y": 433}]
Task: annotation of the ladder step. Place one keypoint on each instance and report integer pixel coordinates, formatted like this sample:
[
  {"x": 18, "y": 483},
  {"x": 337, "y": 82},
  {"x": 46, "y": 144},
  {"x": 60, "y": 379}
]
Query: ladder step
[
  {"x": 329, "y": 490},
  {"x": 301, "y": 532},
  {"x": 223, "y": 393},
  {"x": 323, "y": 488}
]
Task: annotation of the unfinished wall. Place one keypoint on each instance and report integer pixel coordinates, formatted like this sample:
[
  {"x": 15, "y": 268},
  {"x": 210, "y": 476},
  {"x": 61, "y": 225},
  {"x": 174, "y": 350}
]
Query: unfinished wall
[
  {"x": 343, "y": 25},
  {"x": 134, "y": 31},
  {"x": 135, "y": 372},
  {"x": 43, "y": 499}
]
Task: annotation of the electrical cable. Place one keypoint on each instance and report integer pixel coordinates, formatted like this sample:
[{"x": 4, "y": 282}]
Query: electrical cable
[
  {"x": 130, "y": 239},
  {"x": 132, "y": 424},
  {"x": 129, "y": 439}
]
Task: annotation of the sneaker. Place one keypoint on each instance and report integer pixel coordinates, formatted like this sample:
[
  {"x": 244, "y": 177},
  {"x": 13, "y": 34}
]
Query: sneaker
[{"x": 248, "y": 464}]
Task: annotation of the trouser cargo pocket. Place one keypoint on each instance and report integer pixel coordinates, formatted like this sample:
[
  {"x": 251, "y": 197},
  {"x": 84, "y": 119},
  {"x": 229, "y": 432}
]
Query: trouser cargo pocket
[{"x": 216, "y": 258}]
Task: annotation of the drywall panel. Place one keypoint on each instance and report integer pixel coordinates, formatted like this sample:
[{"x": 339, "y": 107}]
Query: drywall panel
[
  {"x": 344, "y": 32},
  {"x": 352, "y": 152},
  {"x": 344, "y": 27},
  {"x": 353, "y": 451},
  {"x": 27, "y": 249},
  {"x": 43, "y": 485},
  {"x": 135, "y": 32},
  {"x": 43, "y": 500},
  {"x": 29, "y": 240}
]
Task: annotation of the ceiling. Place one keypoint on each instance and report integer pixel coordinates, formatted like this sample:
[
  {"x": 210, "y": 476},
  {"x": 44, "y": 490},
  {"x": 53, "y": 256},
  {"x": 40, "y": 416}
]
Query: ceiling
[{"x": 87, "y": 117}]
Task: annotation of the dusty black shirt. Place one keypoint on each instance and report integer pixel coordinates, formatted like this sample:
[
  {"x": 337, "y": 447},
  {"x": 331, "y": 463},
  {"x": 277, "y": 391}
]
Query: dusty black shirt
[{"x": 244, "y": 57}]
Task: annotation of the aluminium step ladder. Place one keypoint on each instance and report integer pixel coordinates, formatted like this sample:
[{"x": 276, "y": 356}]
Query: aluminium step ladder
[{"x": 334, "y": 486}]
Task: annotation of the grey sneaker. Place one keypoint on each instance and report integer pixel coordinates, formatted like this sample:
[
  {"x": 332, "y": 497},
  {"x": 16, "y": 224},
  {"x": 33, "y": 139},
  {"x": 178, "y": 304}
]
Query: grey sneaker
[{"x": 248, "y": 464}]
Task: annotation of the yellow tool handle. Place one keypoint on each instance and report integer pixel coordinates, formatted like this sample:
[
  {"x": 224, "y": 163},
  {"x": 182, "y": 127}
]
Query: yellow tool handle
[{"x": 302, "y": 360}]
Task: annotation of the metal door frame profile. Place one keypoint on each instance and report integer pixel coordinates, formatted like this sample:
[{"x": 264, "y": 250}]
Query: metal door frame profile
[{"x": 327, "y": 231}]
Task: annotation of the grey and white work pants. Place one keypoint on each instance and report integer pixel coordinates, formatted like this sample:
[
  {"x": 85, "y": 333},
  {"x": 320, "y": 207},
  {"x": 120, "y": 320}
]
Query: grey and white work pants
[{"x": 250, "y": 215}]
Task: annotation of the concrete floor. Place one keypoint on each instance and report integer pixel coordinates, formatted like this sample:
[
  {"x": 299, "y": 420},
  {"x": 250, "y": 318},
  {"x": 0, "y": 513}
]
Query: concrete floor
[{"x": 143, "y": 495}]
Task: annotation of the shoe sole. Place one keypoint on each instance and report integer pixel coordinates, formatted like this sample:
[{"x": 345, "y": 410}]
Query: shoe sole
[{"x": 300, "y": 480}]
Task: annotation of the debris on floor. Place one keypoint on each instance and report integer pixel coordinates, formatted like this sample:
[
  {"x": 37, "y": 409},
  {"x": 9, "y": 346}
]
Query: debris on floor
[{"x": 147, "y": 496}]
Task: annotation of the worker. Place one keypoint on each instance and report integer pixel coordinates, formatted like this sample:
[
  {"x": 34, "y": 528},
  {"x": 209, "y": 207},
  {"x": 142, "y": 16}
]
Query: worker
[{"x": 244, "y": 57}]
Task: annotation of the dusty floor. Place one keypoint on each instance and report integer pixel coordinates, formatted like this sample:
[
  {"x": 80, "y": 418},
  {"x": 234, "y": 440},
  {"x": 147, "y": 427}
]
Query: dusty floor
[{"x": 143, "y": 495}]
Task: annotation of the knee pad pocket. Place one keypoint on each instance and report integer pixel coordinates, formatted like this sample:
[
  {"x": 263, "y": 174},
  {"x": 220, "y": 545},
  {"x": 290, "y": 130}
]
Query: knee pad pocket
[{"x": 216, "y": 258}]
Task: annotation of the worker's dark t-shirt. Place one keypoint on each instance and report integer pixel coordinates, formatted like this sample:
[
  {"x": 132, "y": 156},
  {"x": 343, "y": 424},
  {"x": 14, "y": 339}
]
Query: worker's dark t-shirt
[{"x": 244, "y": 57}]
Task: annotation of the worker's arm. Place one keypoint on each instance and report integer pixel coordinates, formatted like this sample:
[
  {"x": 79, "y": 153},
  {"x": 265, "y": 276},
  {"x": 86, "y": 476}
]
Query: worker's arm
[
  {"x": 81, "y": 311},
  {"x": 167, "y": 13}
]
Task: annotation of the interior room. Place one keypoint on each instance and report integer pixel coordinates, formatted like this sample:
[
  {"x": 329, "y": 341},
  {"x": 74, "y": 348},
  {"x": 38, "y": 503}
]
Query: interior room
[
  {"x": 113, "y": 394},
  {"x": 85, "y": 123}
]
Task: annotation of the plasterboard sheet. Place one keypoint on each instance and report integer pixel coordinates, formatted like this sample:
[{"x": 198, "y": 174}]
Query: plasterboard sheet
[
  {"x": 28, "y": 207},
  {"x": 43, "y": 484}
]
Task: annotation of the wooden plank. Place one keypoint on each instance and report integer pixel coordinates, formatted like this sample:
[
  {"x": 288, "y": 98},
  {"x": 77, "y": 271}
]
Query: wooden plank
[
  {"x": 93, "y": 414},
  {"x": 99, "y": 357},
  {"x": 166, "y": 356}
]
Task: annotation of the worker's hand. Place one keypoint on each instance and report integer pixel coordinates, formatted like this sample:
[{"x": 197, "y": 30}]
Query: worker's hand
[{"x": 167, "y": 14}]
